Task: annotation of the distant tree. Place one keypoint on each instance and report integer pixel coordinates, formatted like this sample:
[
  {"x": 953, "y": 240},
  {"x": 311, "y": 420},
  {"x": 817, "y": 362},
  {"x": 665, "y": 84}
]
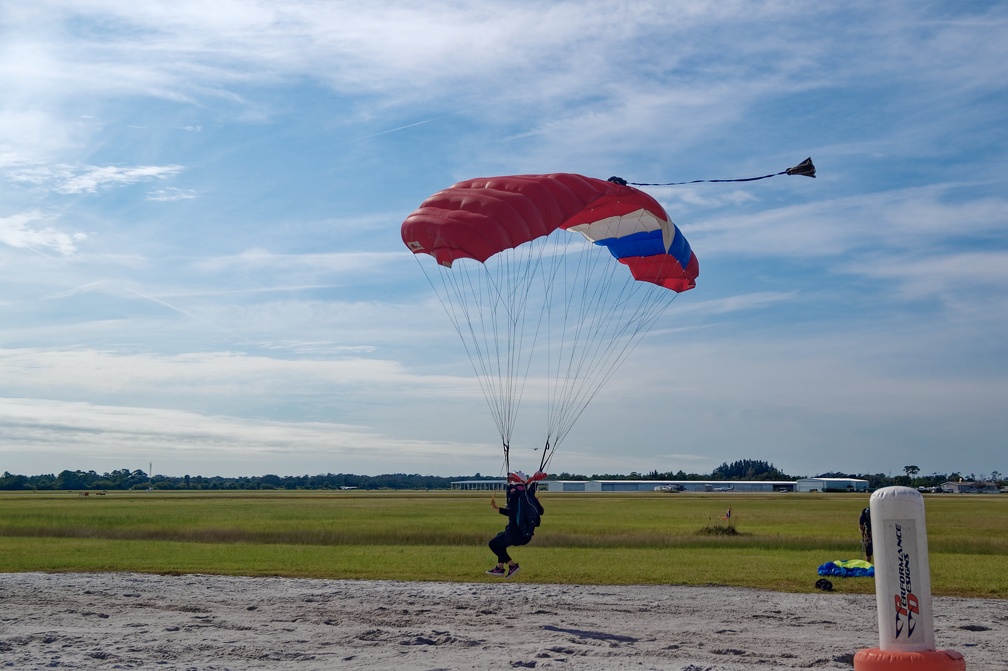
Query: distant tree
[
  {"x": 933, "y": 480},
  {"x": 911, "y": 471},
  {"x": 270, "y": 481},
  {"x": 9, "y": 481},
  {"x": 878, "y": 480},
  {"x": 747, "y": 469},
  {"x": 72, "y": 480},
  {"x": 569, "y": 476}
]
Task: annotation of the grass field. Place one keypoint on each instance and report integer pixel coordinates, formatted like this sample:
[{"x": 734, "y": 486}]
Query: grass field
[{"x": 585, "y": 538}]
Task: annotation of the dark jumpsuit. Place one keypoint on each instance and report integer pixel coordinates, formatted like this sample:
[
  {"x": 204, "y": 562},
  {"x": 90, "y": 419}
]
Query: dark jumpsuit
[
  {"x": 866, "y": 536},
  {"x": 511, "y": 535}
]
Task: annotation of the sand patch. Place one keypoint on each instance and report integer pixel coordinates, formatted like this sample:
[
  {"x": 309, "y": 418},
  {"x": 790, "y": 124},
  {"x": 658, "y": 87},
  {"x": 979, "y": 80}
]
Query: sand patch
[{"x": 206, "y": 623}]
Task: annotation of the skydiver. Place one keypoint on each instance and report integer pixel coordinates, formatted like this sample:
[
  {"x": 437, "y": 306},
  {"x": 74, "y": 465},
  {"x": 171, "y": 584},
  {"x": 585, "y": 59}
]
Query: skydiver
[
  {"x": 864, "y": 523},
  {"x": 523, "y": 511}
]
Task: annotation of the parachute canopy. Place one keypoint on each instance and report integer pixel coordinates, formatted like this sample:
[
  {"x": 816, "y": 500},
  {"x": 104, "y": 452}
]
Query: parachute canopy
[
  {"x": 478, "y": 218},
  {"x": 848, "y": 568},
  {"x": 543, "y": 312}
]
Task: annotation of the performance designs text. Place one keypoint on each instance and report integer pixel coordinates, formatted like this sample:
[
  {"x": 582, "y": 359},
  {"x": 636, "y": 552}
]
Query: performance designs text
[{"x": 907, "y": 606}]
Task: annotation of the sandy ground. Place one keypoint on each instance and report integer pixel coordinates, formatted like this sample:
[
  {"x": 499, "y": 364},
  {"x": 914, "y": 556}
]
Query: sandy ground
[{"x": 199, "y": 622}]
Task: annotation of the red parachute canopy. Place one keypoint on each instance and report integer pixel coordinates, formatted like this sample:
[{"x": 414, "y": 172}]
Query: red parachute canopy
[{"x": 478, "y": 218}]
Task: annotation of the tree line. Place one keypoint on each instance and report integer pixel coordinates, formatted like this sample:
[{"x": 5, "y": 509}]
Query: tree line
[
  {"x": 743, "y": 469},
  {"x": 125, "y": 479}
]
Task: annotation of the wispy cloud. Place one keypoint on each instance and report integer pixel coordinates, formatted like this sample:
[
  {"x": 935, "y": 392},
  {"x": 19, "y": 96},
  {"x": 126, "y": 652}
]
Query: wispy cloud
[
  {"x": 919, "y": 219},
  {"x": 171, "y": 194},
  {"x": 952, "y": 277},
  {"x": 22, "y": 231},
  {"x": 730, "y": 304},
  {"x": 330, "y": 262},
  {"x": 194, "y": 379},
  {"x": 90, "y": 436},
  {"x": 90, "y": 179}
]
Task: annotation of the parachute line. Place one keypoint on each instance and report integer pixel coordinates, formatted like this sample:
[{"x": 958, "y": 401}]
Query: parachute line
[
  {"x": 551, "y": 282},
  {"x": 508, "y": 312},
  {"x": 805, "y": 169}
]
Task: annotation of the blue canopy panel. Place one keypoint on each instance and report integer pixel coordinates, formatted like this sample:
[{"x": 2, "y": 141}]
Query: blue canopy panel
[{"x": 649, "y": 243}]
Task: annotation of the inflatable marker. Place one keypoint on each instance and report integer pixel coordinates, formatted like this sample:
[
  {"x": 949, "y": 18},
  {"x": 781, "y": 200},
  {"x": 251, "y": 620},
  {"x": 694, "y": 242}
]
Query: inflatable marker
[{"x": 903, "y": 589}]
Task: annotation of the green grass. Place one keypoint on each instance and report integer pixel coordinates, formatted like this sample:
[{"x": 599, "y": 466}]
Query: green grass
[{"x": 585, "y": 538}]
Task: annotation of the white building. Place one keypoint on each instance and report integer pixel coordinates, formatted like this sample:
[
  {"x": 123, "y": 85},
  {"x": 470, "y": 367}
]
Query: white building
[
  {"x": 831, "y": 485},
  {"x": 479, "y": 485},
  {"x": 736, "y": 486},
  {"x": 666, "y": 485},
  {"x": 970, "y": 487}
]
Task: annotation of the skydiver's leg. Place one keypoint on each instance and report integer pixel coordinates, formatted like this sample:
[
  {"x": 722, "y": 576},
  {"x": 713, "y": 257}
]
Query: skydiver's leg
[{"x": 498, "y": 545}]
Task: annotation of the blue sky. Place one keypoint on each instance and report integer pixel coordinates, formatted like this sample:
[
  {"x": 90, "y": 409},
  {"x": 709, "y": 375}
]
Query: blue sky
[{"x": 201, "y": 267}]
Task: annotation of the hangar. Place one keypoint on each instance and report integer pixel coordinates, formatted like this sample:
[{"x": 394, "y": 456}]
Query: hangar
[
  {"x": 831, "y": 485},
  {"x": 738, "y": 486},
  {"x": 640, "y": 485}
]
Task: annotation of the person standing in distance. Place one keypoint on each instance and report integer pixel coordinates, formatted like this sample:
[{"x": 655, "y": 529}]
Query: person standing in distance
[{"x": 864, "y": 522}]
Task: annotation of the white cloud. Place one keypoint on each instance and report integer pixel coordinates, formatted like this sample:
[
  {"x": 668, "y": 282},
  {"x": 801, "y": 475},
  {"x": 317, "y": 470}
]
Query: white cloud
[
  {"x": 20, "y": 231},
  {"x": 193, "y": 380},
  {"x": 853, "y": 399},
  {"x": 90, "y": 436},
  {"x": 738, "y": 302},
  {"x": 920, "y": 220},
  {"x": 953, "y": 277},
  {"x": 330, "y": 262},
  {"x": 559, "y": 52},
  {"x": 92, "y": 178},
  {"x": 68, "y": 179},
  {"x": 171, "y": 194}
]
